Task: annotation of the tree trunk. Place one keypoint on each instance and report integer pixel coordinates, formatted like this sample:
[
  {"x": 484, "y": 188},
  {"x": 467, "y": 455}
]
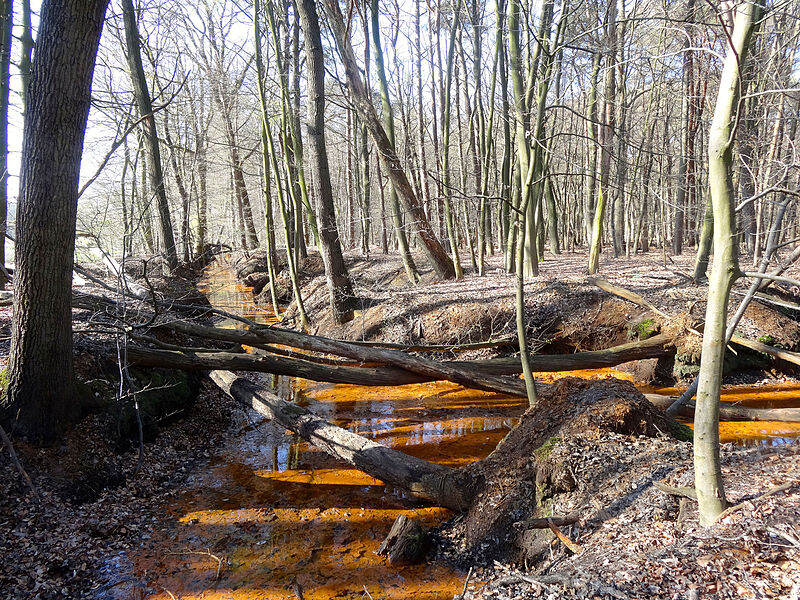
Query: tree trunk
[
  {"x": 437, "y": 255},
  {"x": 340, "y": 290},
  {"x": 41, "y": 394},
  {"x": 7, "y": 17},
  {"x": 388, "y": 123},
  {"x": 145, "y": 105},
  {"x": 708, "y": 473},
  {"x": 435, "y": 483}
]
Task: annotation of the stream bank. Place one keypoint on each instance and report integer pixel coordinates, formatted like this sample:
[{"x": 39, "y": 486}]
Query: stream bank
[{"x": 282, "y": 517}]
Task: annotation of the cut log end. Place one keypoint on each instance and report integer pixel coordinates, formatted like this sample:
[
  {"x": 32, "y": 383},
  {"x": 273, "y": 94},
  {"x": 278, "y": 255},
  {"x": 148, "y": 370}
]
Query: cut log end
[{"x": 406, "y": 544}]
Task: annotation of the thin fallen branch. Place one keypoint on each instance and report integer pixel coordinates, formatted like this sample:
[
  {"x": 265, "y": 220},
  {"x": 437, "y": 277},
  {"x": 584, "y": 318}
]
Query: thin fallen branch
[
  {"x": 776, "y": 490},
  {"x": 616, "y": 290},
  {"x": 772, "y": 277},
  {"x": 683, "y": 492},
  {"x": 792, "y": 357},
  {"x": 545, "y": 522},
  {"x": 729, "y": 411},
  {"x": 15, "y": 459},
  {"x": 571, "y": 546}
]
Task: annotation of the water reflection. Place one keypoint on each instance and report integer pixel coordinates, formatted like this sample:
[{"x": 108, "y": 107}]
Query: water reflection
[{"x": 289, "y": 521}]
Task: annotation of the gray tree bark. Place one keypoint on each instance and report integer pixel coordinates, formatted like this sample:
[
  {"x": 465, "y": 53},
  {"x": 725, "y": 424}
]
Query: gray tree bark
[
  {"x": 340, "y": 290},
  {"x": 41, "y": 395}
]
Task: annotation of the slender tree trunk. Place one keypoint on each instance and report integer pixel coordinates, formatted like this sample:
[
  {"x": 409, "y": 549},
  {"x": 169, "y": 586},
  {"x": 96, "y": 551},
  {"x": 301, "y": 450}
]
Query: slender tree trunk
[
  {"x": 388, "y": 123},
  {"x": 437, "y": 255},
  {"x": 591, "y": 159},
  {"x": 41, "y": 396},
  {"x": 145, "y": 105},
  {"x": 6, "y": 23},
  {"x": 708, "y": 473},
  {"x": 26, "y": 51},
  {"x": 605, "y": 135},
  {"x": 340, "y": 290}
]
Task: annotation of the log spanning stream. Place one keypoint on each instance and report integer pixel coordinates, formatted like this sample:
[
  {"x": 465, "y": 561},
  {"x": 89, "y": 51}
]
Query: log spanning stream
[{"x": 287, "y": 521}]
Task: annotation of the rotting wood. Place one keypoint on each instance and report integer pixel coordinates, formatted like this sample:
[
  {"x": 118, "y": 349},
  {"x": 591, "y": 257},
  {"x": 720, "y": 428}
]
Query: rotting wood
[
  {"x": 437, "y": 484},
  {"x": 406, "y": 544},
  {"x": 544, "y": 522}
]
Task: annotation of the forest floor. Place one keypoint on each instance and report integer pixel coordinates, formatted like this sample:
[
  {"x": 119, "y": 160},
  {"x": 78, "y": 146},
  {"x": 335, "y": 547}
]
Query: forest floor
[{"x": 633, "y": 540}]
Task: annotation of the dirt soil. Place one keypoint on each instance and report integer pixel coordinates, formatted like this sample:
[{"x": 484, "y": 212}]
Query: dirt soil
[
  {"x": 595, "y": 450},
  {"x": 566, "y": 311}
]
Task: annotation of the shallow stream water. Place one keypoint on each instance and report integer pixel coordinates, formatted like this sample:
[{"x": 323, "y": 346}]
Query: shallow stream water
[{"x": 287, "y": 521}]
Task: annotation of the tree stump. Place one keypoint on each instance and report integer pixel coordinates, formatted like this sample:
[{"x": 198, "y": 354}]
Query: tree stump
[{"x": 406, "y": 544}]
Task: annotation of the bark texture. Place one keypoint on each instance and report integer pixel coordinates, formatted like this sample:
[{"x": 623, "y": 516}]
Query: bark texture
[
  {"x": 41, "y": 393},
  {"x": 340, "y": 290}
]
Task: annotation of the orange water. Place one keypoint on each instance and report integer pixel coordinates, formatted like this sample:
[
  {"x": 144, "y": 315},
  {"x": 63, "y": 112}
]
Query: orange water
[{"x": 288, "y": 521}]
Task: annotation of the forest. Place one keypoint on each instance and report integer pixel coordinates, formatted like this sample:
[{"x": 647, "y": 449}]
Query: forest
[{"x": 394, "y": 299}]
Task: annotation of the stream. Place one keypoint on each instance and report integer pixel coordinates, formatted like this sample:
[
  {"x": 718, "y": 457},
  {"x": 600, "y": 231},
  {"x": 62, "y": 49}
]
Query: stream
[{"x": 272, "y": 518}]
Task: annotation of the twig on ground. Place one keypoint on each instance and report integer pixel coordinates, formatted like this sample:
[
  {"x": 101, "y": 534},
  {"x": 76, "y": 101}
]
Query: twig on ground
[
  {"x": 776, "y": 490},
  {"x": 572, "y": 546},
  {"x": 206, "y": 553},
  {"x": 15, "y": 459},
  {"x": 463, "y": 593},
  {"x": 544, "y": 522},
  {"x": 685, "y": 492}
]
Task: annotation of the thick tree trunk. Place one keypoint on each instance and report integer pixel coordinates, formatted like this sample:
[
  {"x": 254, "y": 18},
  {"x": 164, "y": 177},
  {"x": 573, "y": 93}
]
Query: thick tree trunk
[
  {"x": 41, "y": 394},
  {"x": 145, "y": 105},
  {"x": 340, "y": 290}
]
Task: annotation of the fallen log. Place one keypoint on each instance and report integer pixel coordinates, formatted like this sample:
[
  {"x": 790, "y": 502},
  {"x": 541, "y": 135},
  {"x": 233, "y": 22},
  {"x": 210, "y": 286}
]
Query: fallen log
[
  {"x": 628, "y": 295},
  {"x": 731, "y": 412},
  {"x": 792, "y": 357},
  {"x": 437, "y": 484},
  {"x": 418, "y": 365},
  {"x": 654, "y": 347},
  {"x": 371, "y": 375}
]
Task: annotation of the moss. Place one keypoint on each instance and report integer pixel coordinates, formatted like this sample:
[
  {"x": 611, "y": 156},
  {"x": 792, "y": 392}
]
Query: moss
[
  {"x": 682, "y": 432},
  {"x": 643, "y": 329},
  {"x": 767, "y": 339},
  {"x": 544, "y": 451},
  {"x": 4, "y": 379}
]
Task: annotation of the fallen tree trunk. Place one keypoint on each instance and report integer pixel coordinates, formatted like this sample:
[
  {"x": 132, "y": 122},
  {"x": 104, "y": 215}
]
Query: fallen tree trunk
[
  {"x": 731, "y": 412},
  {"x": 429, "y": 369},
  {"x": 377, "y": 375},
  {"x": 792, "y": 357},
  {"x": 438, "y": 484},
  {"x": 654, "y": 347}
]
